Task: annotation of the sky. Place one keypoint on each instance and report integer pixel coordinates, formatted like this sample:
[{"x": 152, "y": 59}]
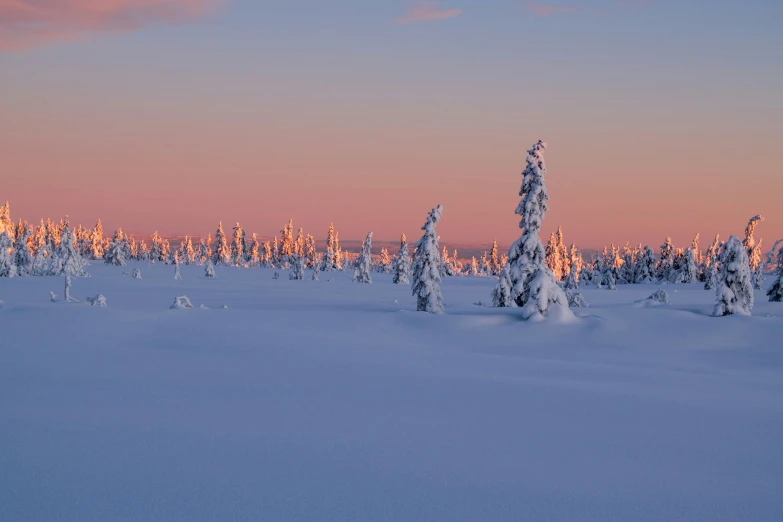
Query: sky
[{"x": 662, "y": 117}]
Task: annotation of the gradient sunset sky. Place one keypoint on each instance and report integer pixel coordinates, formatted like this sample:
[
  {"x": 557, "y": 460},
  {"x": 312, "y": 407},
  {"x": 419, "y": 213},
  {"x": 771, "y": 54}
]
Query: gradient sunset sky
[{"x": 662, "y": 117}]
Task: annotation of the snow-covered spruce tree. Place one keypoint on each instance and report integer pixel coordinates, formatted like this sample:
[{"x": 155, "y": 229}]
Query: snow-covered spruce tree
[
  {"x": 155, "y": 248},
  {"x": 221, "y": 255},
  {"x": 493, "y": 264},
  {"x": 363, "y": 266},
  {"x": 402, "y": 267},
  {"x": 23, "y": 258},
  {"x": 310, "y": 254},
  {"x": 611, "y": 268},
  {"x": 666, "y": 263},
  {"x": 253, "y": 256},
  {"x": 572, "y": 281},
  {"x": 426, "y": 277},
  {"x": 749, "y": 243},
  {"x": 775, "y": 292},
  {"x": 473, "y": 267},
  {"x": 66, "y": 259},
  {"x": 689, "y": 270},
  {"x": 287, "y": 242},
  {"x": 328, "y": 261},
  {"x": 627, "y": 269},
  {"x": 115, "y": 254},
  {"x": 645, "y": 267},
  {"x": 96, "y": 241},
  {"x": 299, "y": 245},
  {"x": 734, "y": 292},
  {"x": 711, "y": 255},
  {"x": 502, "y": 293},
  {"x": 338, "y": 253},
  {"x": 297, "y": 267},
  {"x": 237, "y": 247},
  {"x": 41, "y": 261},
  {"x": 565, "y": 264},
  {"x": 696, "y": 251},
  {"x": 534, "y": 287},
  {"x": 574, "y": 296},
  {"x": 6, "y": 224},
  {"x": 553, "y": 261},
  {"x": 384, "y": 262},
  {"x": 770, "y": 261},
  {"x": 209, "y": 270},
  {"x": 7, "y": 266}
]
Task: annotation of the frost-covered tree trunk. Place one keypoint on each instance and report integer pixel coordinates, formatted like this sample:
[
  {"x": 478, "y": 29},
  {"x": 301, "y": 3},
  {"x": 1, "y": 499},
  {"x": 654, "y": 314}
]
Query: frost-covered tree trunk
[
  {"x": 775, "y": 292},
  {"x": 426, "y": 276},
  {"x": 402, "y": 268},
  {"x": 534, "y": 287},
  {"x": 363, "y": 265},
  {"x": 734, "y": 292}
]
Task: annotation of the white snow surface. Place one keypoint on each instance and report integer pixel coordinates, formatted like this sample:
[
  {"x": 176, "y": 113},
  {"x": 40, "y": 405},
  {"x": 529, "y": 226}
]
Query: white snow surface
[{"x": 327, "y": 400}]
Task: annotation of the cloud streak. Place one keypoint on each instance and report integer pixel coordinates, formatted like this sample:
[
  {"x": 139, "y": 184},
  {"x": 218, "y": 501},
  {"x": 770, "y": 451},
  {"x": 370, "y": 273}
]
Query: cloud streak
[
  {"x": 546, "y": 9},
  {"x": 424, "y": 11},
  {"x": 29, "y": 23}
]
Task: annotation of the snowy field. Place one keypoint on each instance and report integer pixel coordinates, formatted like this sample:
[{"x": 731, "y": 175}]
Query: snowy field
[{"x": 326, "y": 400}]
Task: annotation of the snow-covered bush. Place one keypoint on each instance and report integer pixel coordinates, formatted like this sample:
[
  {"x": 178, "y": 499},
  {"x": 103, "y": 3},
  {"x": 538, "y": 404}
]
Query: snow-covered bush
[
  {"x": 99, "y": 301},
  {"x": 645, "y": 267},
  {"x": 659, "y": 296},
  {"x": 426, "y": 276},
  {"x": 533, "y": 285},
  {"x": 402, "y": 266},
  {"x": 363, "y": 264},
  {"x": 136, "y": 273},
  {"x": 576, "y": 299},
  {"x": 23, "y": 258},
  {"x": 181, "y": 302},
  {"x": 315, "y": 273},
  {"x": 734, "y": 292}
]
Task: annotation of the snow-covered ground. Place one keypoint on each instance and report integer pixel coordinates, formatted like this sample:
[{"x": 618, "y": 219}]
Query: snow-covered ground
[{"x": 326, "y": 400}]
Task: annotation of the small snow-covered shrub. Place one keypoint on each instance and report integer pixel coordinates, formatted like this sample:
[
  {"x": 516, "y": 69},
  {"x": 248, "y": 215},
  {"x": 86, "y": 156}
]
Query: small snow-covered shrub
[
  {"x": 660, "y": 296},
  {"x": 99, "y": 300},
  {"x": 576, "y": 299},
  {"x": 315, "y": 274},
  {"x": 136, "y": 273},
  {"x": 276, "y": 275},
  {"x": 181, "y": 302}
]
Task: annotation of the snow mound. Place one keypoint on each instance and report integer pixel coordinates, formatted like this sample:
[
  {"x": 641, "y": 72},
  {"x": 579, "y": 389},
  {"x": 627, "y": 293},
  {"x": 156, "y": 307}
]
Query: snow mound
[
  {"x": 181, "y": 302},
  {"x": 99, "y": 301}
]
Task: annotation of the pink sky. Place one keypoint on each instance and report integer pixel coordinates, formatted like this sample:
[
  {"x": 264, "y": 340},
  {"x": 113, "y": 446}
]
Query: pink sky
[{"x": 371, "y": 123}]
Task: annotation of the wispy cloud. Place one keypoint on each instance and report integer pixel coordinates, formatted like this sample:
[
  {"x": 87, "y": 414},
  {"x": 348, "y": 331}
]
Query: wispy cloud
[
  {"x": 547, "y": 9},
  {"x": 28, "y": 23},
  {"x": 423, "y": 11}
]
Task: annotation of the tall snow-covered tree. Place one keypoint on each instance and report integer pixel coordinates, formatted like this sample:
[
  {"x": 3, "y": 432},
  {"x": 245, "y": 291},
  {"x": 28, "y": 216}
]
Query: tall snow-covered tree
[
  {"x": 645, "y": 267},
  {"x": 299, "y": 244},
  {"x": 332, "y": 258},
  {"x": 66, "y": 259},
  {"x": 297, "y": 267},
  {"x": 253, "y": 255},
  {"x": 553, "y": 261},
  {"x": 237, "y": 245},
  {"x": 473, "y": 267},
  {"x": 6, "y": 224},
  {"x": 666, "y": 263},
  {"x": 209, "y": 270},
  {"x": 534, "y": 287},
  {"x": 221, "y": 255},
  {"x": 7, "y": 266},
  {"x": 384, "y": 262},
  {"x": 749, "y": 243},
  {"x": 696, "y": 251},
  {"x": 775, "y": 292},
  {"x": 115, "y": 255},
  {"x": 97, "y": 240},
  {"x": 493, "y": 263},
  {"x": 689, "y": 271},
  {"x": 23, "y": 258},
  {"x": 734, "y": 292},
  {"x": 402, "y": 266},
  {"x": 287, "y": 242},
  {"x": 426, "y": 276},
  {"x": 310, "y": 254},
  {"x": 363, "y": 265}
]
